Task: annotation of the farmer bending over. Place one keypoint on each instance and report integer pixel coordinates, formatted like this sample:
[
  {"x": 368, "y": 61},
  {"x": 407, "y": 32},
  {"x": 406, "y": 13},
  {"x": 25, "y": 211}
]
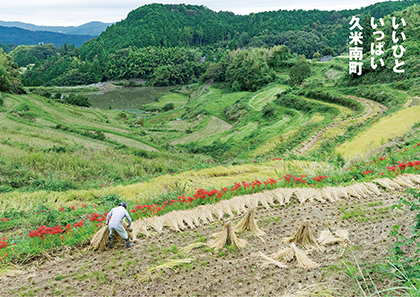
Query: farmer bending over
[{"x": 117, "y": 215}]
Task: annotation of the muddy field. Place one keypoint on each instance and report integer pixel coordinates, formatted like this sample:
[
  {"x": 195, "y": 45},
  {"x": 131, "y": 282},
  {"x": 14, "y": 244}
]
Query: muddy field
[{"x": 229, "y": 271}]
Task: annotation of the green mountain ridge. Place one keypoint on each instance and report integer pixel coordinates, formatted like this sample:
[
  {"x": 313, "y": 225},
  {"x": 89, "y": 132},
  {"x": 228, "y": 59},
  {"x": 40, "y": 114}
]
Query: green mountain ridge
[{"x": 91, "y": 28}]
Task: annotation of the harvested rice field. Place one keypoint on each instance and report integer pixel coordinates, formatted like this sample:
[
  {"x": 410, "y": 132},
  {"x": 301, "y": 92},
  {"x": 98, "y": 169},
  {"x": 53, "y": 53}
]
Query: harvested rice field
[{"x": 182, "y": 263}]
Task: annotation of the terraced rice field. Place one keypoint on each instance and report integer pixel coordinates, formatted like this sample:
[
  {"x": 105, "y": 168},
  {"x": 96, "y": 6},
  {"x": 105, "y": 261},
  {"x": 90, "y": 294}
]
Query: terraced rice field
[
  {"x": 242, "y": 132},
  {"x": 213, "y": 127},
  {"x": 258, "y": 101},
  {"x": 382, "y": 131}
]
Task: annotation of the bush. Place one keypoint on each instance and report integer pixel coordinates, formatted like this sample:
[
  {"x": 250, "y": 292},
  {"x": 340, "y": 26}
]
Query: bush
[
  {"x": 168, "y": 106},
  {"x": 78, "y": 100},
  {"x": 268, "y": 111}
]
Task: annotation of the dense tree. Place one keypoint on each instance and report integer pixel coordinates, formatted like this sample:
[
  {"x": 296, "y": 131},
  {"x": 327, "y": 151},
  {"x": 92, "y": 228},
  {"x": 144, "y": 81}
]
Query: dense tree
[
  {"x": 9, "y": 75},
  {"x": 299, "y": 72}
]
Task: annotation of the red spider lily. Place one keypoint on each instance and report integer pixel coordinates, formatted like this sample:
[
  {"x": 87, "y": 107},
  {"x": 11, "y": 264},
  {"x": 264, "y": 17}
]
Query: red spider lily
[
  {"x": 3, "y": 243},
  {"x": 4, "y": 220},
  {"x": 367, "y": 172},
  {"x": 320, "y": 178},
  {"x": 402, "y": 166}
]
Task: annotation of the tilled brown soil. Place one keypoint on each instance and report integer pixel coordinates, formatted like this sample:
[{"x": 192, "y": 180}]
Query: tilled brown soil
[{"x": 229, "y": 271}]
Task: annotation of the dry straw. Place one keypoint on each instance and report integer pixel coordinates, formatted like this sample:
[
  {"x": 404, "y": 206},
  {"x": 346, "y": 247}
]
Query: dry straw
[
  {"x": 187, "y": 216},
  {"x": 248, "y": 222},
  {"x": 205, "y": 212},
  {"x": 171, "y": 221},
  {"x": 139, "y": 226},
  {"x": 216, "y": 209},
  {"x": 404, "y": 181},
  {"x": 237, "y": 204},
  {"x": 101, "y": 239},
  {"x": 267, "y": 260},
  {"x": 343, "y": 234},
  {"x": 302, "y": 258},
  {"x": 263, "y": 200},
  {"x": 190, "y": 247},
  {"x": 171, "y": 264},
  {"x": 156, "y": 223},
  {"x": 352, "y": 192},
  {"x": 226, "y": 236},
  {"x": 285, "y": 255},
  {"x": 303, "y": 236},
  {"x": 326, "y": 238},
  {"x": 327, "y": 194},
  {"x": 388, "y": 184},
  {"x": 301, "y": 195},
  {"x": 373, "y": 188}
]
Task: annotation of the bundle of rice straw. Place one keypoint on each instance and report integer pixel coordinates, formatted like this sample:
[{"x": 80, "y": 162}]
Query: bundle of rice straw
[
  {"x": 287, "y": 194},
  {"x": 327, "y": 194},
  {"x": 226, "y": 236},
  {"x": 387, "y": 184},
  {"x": 302, "y": 258},
  {"x": 179, "y": 220},
  {"x": 195, "y": 216},
  {"x": 263, "y": 200},
  {"x": 365, "y": 190},
  {"x": 326, "y": 238},
  {"x": 278, "y": 195},
  {"x": 352, "y": 191},
  {"x": 139, "y": 226},
  {"x": 404, "y": 181},
  {"x": 170, "y": 220},
  {"x": 205, "y": 212},
  {"x": 248, "y": 222},
  {"x": 315, "y": 194},
  {"x": 187, "y": 216},
  {"x": 303, "y": 236},
  {"x": 285, "y": 255},
  {"x": 156, "y": 223},
  {"x": 267, "y": 260},
  {"x": 342, "y": 192},
  {"x": 237, "y": 204},
  {"x": 344, "y": 235},
  {"x": 415, "y": 178},
  {"x": 251, "y": 200},
  {"x": 373, "y": 188},
  {"x": 217, "y": 210},
  {"x": 225, "y": 206},
  {"x": 101, "y": 239},
  {"x": 269, "y": 197},
  {"x": 301, "y": 195}
]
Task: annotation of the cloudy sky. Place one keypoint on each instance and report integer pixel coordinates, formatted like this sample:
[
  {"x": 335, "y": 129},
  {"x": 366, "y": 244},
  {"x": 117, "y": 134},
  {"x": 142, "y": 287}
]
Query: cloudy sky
[{"x": 78, "y": 12}]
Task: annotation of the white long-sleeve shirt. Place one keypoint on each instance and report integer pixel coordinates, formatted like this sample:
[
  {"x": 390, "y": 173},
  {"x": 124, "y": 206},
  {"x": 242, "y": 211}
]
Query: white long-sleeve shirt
[{"x": 117, "y": 215}]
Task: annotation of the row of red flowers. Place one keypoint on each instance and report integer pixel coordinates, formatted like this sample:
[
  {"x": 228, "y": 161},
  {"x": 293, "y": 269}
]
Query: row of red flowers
[{"x": 44, "y": 231}]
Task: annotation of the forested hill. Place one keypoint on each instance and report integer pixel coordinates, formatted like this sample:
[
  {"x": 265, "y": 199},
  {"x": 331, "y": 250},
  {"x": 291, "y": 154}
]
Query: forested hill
[
  {"x": 186, "y": 25},
  {"x": 17, "y": 36}
]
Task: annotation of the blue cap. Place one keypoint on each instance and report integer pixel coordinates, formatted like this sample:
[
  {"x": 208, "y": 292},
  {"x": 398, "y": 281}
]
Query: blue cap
[{"x": 123, "y": 204}]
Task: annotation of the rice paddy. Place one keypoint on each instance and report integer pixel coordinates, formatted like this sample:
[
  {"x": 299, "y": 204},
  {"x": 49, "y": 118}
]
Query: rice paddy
[{"x": 381, "y": 132}]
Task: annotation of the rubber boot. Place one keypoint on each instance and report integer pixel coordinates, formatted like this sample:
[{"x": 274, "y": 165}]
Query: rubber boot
[
  {"x": 127, "y": 243},
  {"x": 111, "y": 242}
]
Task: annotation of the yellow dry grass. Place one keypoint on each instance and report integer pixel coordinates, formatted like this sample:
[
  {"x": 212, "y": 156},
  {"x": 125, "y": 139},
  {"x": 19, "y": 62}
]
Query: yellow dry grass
[
  {"x": 341, "y": 128},
  {"x": 386, "y": 129}
]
